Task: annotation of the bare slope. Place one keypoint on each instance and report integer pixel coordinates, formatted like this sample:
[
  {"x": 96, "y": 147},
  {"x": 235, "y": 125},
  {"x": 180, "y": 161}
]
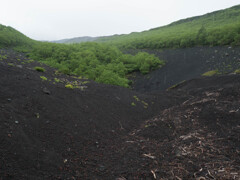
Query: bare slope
[{"x": 187, "y": 63}]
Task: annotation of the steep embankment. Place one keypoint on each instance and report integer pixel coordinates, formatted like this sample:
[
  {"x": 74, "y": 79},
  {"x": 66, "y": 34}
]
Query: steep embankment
[{"x": 185, "y": 64}]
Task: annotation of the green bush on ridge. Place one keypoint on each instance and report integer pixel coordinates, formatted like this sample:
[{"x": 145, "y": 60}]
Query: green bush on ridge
[{"x": 99, "y": 62}]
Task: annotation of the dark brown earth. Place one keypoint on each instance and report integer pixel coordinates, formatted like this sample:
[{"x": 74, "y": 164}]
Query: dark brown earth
[{"x": 100, "y": 131}]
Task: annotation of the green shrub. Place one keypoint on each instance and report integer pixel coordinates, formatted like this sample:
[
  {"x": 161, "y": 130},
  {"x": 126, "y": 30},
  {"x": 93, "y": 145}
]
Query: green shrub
[
  {"x": 69, "y": 86},
  {"x": 211, "y": 73},
  {"x": 39, "y": 69},
  {"x": 109, "y": 77},
  {"x": 99, "y": 62},
  {"x": 43, "y": 78},
  {"x": 136, "y": 98},
  {"x": 57, "y": 80}
]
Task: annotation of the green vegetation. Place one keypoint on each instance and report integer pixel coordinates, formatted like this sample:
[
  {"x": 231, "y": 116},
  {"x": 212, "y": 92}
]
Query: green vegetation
[
  {"x": 216, "y": 28},
  {"x": 211, "y": 73},
  {"x": 145, "y": 105},
  {"x": 30, "y": 61},
  {"x": 175, "y": 85},
  {"x": 85, "y": 82},
  {"x": 43, "y": 78},
  {"x": 237, "y": 71},
  {"x": 136, "y": 98},
  {"x": 39, "y": 69},
  {"x": 99, "y": 62},
  {"x": 3, "y": 57},
  {"x": 37, "y": 115},
  {"x": 57, "y": 80},
  {"x": 9, "y": 37},
  {"x": 10, "y": 64},
  {"x": 69, "y": 86},
  {"x": 133, "y": 104}
]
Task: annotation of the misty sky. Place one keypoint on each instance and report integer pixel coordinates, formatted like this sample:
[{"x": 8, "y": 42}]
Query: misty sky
[{"x": 59, "y": 19}]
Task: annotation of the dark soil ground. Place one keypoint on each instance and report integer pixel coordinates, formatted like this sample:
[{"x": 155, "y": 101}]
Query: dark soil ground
[
  {"x": 95, "y": 131},
  {"x": 186, "y": 64}
]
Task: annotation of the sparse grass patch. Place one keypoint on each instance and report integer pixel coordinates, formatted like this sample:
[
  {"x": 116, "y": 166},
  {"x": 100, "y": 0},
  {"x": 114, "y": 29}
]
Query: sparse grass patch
[
  {"x": 133, "y": 104},
  {"x": 57, "y": 80},
  {"x": 237, "y": 71},
  {"x": 81, "y": 77},
  {"x": 10, "y": 64},
  {"x": 85, "y": 82},
  {"x": 144, "y": 103},
  {"x": 136, "y": 98},
  {"x": 30, "y": 61},
  {"x": 70, "y": 86},
  {"x": 3, "y": 57},
  {"x": 37, "y": 115},
  {"x": 57, "y": 72},
  {"x": 39, "y": 69},
  {"x": 43, "y": 78},
  {"x": 172, "y": 87},
  {"x": 211, "y": 73}
]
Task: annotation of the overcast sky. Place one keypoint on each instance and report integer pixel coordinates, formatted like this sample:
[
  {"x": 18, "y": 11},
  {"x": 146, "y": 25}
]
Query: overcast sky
[{"x": 59, "y": 19}]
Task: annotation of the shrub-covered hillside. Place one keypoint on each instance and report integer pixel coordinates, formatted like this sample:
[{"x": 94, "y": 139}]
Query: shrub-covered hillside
[
  {"x": 9, "y": 37},
  {"x": 216, "y": 28},
  {"x": 99, "y": 62}
]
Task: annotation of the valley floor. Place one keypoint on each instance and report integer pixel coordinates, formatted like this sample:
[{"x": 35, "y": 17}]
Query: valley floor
[{"x": 96, "y": 131}]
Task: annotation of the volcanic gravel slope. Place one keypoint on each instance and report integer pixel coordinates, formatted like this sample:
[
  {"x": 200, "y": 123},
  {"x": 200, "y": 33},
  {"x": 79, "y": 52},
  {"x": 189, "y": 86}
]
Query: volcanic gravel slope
[
  {"x": 97, "y": 131},
  {"x": 186, "y": 64}
]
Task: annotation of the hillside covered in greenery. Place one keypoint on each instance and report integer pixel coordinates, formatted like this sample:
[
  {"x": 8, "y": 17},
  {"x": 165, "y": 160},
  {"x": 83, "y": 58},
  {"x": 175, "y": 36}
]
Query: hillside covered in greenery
[
  {"x": 76, "y": 40},
  {"x": 102, "y": 61},
  {"x": 99, "y": 62},
  {"x": 9, "y": 37},
  {"x": 216, "y": 28}
]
